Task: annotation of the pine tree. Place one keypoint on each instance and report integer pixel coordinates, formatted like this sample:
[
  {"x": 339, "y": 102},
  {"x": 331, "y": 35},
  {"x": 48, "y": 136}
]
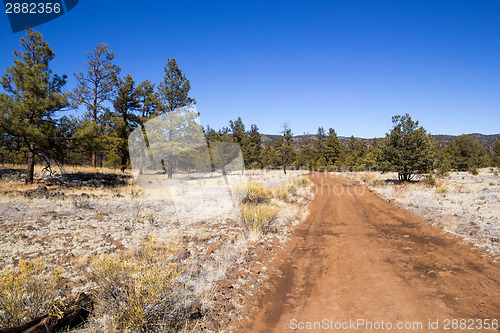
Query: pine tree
[
  {"x": 94, "y": 88},
  {"x": 269, "y": 155},
  {"x": 173, "y": 93},
  {"x": 286, "y": 151},
  {"x": 148, "y": 107},
  {"x": 408, "y": 149},
  {"x": 305, "y": 156},
  {"x": 32, "y": 97},
  {"x": 254, "y": 147},
  {"x": 123, "y": 121},
  {"x": 331, "y": 151},
  {"x": 174, "y": 89}
]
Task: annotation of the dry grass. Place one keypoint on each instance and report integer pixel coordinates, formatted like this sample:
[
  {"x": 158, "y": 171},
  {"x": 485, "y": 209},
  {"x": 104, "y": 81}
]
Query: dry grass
[
  {"x": 442, "y": 190},
  {"x": 259, "y": 219},
  {"x": 255, "y": 193},
  {"x": 27, "y": 292},
  {"x": 371, "y": 179},
  {"x": 140, "y": 291},
  {"x": 102, "y": 228}
]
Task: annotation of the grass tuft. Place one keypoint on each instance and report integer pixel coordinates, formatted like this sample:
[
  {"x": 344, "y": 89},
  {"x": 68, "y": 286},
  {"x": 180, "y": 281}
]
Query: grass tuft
[
  {"x": 256, "y": 193},
  {"x": 27, "y": 292},
  {"x": 259, "y": 219},
  {"x": 139, "y": 291},
  {"x": 442, "y": 190}
]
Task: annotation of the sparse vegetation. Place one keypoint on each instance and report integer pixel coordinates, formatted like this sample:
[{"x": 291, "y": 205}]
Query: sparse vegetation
[
  {"x": 473, "y": 171},
  {"x": 370, "y": 179},
  {"x": 442, "y": 190},
  {"x": 27, "y": 292},
  {"x": 140, "y": 291},
  {"x": 259, "y": 219},
  {"x": 286, "y": 191},
  {"x": 255, "y": 193}
]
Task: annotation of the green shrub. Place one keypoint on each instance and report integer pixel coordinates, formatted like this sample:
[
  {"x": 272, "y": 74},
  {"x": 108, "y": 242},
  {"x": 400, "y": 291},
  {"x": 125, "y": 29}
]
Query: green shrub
[
  {"x": 429, "y": 180},
  {"x": 259, "y": 219},
  {"x": 473, "y": 171},
  {"x": 27, "y": 292}
]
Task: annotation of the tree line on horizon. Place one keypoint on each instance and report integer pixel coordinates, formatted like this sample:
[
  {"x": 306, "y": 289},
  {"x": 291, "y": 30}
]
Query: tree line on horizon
[{"x": 34, "y": 131}]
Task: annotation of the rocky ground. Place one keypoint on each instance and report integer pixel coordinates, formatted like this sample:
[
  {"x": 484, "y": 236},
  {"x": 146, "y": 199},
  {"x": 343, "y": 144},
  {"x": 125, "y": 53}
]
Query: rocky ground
[{"x": 69, "y": 222}]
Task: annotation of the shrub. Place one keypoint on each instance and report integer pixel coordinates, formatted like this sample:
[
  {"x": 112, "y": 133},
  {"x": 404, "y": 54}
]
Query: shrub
[
  {"x": 259, "y": 219},
  {"x": 429, "y": 181},
  {"x": 371, "y": 179},
  {"x": 442, "y": 190},
  {"x": 140, "y": 291},
  {"x": 286, "y": 191},
  {"x": 301, "y": 181},
  {"x": 81, "y": 202},
  {"x": 256, "y": 193},
  {"x": 27, "y": 292},
  {"x": 473, "y": 171}
]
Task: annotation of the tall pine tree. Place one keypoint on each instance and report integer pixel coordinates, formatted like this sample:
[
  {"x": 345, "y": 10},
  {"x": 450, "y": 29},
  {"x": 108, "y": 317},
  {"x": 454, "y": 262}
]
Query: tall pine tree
[
  {"x": 94, "y": 88},
  {"x": 32, "y": 97},
  {"x": 123, "y": 120},
  {"x": 173, "y": 93}
]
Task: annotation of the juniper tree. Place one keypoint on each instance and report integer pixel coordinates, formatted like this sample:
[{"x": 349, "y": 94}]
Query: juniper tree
[
  {"x": 496, "y": 153},
  {"x": 465, "y": 153},
  {"x": 408, "y": 149},
  {"x": 31, "y": 99},
  {"x": 95, "y": 87}
]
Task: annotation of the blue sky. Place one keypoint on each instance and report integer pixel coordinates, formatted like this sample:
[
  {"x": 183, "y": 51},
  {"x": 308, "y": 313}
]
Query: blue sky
[{"x": 349, "y": 65}]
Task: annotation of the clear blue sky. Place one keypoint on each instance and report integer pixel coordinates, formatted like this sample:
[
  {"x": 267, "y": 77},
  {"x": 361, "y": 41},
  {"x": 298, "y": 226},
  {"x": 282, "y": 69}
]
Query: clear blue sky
[{"x": 350, "y": 65}]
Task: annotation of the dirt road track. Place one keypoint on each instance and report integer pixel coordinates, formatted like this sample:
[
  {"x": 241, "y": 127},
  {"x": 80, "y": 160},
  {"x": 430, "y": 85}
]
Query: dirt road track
[{"x": 359, "y": 257}]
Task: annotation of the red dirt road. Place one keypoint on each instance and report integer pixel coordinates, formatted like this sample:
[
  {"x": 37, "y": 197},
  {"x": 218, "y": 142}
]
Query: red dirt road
[{"x": 358, "y": 257}]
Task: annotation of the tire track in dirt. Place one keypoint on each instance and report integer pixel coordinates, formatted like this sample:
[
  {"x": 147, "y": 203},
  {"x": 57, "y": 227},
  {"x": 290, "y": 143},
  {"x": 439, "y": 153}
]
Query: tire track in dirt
[{"x": 358, "y": 256}]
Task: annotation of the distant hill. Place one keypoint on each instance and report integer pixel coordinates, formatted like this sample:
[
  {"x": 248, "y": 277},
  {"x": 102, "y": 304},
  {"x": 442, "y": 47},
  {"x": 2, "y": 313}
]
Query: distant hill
[{"x": 488, "y": 141}]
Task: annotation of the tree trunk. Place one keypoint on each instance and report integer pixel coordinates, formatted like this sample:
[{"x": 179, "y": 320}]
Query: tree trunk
[
  {"x": 31, "y": 163},
  {"x": 170, "y": 169},
  {"x": 140, "y": 162},
  {"x": 94, "y": 160}
]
